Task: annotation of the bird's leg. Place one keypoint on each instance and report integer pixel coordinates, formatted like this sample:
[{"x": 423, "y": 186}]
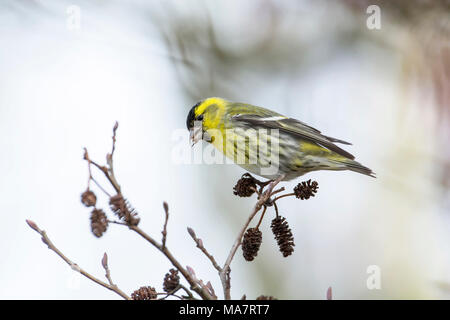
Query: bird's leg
[
  {"x": 261, "y": 184},
  {"x": 258, "y": 182}
]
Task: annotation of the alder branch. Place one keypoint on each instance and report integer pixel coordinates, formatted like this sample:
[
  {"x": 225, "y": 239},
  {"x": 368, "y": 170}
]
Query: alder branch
[
  {"x": 128, "y": 217},
  {"x": 225, "y": 272},
  {"x": 75, "y": 266},
  {"x": 108, "y": 171},
  {"x": 164, "y": 232},
  {"x": 204, "y": 293},
  {"x": 199, "y": 243},
  {"x": 108, "y": 272}
]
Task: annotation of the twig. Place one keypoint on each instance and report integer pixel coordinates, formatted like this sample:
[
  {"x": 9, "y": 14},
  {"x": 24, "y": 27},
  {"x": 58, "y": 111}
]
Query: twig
[
  {"x": 225, "y": 273},
  {"x": 108, "y": 272},
  {"x": 91, "y": 177},
  {"x": 102, "y": 169},
  {"x": 329, "y": 293},
  {"x": 171, "y": 293},
  {"x": 164, "y": 250},
  {"x": 199, "y": 243},
  {"x": 109, "y": 159},
  {"x": 75, "y": 266},
  {"x": 164, "y": 232},
  {"x": 262, "y": 216},
  {"x": 276, "y": 208},
  {"x": 277, "y": 191},
  {"x": 188, "y": 292},
  {"x": 208, "y": 287},
  {"x": 86, "y": 157},
  {"x": 100, "y": 187},
  {"x": 116, "y": 125},
  {"x": 283, "y": 196},
  {"x": 118, "y": 222},
  {"x": 109, "y": 173}
]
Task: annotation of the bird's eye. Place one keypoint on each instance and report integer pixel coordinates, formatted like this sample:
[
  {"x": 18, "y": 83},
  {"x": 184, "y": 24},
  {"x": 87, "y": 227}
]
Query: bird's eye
[{"x": 200, "y": 117}]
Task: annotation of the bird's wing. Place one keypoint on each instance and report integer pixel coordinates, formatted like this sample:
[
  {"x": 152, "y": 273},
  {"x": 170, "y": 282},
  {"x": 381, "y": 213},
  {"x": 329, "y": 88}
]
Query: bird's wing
[{"x": 293, "y": 127}]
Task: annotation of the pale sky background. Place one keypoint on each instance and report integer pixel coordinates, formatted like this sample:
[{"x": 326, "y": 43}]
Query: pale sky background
[{"x": 62, "y": 90}]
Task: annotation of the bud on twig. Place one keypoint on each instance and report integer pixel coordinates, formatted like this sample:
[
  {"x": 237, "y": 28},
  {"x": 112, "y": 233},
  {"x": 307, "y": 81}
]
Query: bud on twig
[
  {"x": 330, "y": 294},
  {"x": 33, "y": 225},
  {"x": 191, "y": 232},
  {"x": 190, "y": 271},
  {"x": 105, "y": 261},
  {"x": 211, "y": 289}
]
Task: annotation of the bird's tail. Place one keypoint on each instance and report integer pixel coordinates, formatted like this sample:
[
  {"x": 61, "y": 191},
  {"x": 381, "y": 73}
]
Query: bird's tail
[
  {"x": 358, "y": 167},
  {"x": 355, "y": 166}
]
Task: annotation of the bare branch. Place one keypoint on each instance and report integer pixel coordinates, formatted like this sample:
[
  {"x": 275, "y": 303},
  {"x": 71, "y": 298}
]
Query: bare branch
[
  {"x": 208, "y": 287},
  {"x": 188, "y": 292},
  {"x": 116, "y": 125},
  {"x": 330, "y": 293},
  {"x": 108, "y": 272},
  {"x": 262, "y": 216},
  {"x": 199, "y": 243},
  {"x": 203, "y": 292},
  {"x": 73, "y": 265},
  {"x": 284, "y": 196},
  {"x": 164, "y": 232},
  {"x": 102, "y": 169},
  {"x": 109, "y": 173},
  {"x": 225, "y": 273}
]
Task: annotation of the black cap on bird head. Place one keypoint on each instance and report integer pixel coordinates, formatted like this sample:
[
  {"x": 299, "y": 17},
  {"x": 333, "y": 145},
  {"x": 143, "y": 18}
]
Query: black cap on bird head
[
  {"x": 194, "y": 125},
  {"x": 191, "y": 116}
]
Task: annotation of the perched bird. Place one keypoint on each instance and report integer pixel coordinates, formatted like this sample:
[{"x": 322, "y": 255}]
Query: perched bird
[{"x": 267, "y": 143}]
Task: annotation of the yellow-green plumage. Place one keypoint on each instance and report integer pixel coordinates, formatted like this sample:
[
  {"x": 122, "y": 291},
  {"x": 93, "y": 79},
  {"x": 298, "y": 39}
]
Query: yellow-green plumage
[{"x": 267, "y": 143}]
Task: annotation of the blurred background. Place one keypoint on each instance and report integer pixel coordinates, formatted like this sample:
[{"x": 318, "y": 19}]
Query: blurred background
[{"x": 70, "y": 69}]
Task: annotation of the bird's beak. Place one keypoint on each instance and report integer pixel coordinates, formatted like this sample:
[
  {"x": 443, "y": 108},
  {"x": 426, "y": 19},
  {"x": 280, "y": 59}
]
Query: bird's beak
[{"x": 195, "y": 134}]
